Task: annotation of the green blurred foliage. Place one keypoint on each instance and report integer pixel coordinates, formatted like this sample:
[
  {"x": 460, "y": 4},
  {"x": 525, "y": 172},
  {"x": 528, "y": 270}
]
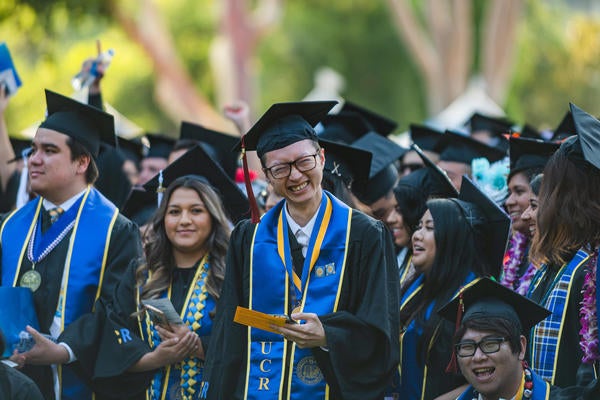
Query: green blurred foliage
[{"x": 558, "y": 57}]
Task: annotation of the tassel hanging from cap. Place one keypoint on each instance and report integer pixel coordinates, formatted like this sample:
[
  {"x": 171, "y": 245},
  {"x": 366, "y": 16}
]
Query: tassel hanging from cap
[
  {"x": 254, "y": 214},
  {"x": 453, "y": 364},
  {"x": 160, "y": 190}
]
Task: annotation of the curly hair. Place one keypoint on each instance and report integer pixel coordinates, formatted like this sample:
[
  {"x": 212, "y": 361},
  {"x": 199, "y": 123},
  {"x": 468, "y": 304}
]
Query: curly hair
[{"x": 154, "y": 276}]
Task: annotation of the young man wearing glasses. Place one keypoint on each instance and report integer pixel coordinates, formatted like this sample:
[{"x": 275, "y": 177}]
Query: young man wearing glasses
[
  {"x": 330, "y": 267},
  {"x": 490, "y": 345}
]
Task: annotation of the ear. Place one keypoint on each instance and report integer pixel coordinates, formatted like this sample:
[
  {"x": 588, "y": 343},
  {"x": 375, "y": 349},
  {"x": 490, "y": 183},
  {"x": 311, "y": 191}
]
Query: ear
[
  {"x": 523, "y": 342},
  {"x": 82, "y": 164}
]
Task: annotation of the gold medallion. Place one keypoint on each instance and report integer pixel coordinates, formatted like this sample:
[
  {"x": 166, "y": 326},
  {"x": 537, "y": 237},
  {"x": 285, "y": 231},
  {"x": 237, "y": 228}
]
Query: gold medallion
[
  {"x": 308, "y": 371},
  {"x": 31, "y": 279}
]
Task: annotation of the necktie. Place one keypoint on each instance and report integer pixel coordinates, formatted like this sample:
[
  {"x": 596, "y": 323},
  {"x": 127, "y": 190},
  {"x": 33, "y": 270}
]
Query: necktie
[{"x": 55, "y": 213}]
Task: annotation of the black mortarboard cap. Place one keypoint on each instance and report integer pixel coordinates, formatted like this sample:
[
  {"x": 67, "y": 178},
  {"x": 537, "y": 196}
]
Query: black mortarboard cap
[
  {"x": 432, "y": 179},
  {"x": 528, "y": 131},
  {"x": 196, "y": 161},
  {"x": 131, "y": 149},
  {"x": 529, "y": 153},
  {"x": 425, "y": 137},
  {"x": 486, "y": 216},
  {"x": 497, "y": 126},
  {"x": 21, "y": 147},
  {"x": 586, "y": 145},
  {"x": 383, "y": 174},
  {"x": 456, "y": 147},
  {"x": 349, "y": 163},
  {"x": 160, "y": 146},
  {"x": 86, "y": 124},
  {"x": 220, "y": 142},
  {"x": 284, "y": 124},
  {"x": 140, "y": 205},
  {"x": 565, "y": 128},
  {"x": 380, "y": 124},
  {"x": 345, "y": 127},
  {"x": 485, "y": 298}
]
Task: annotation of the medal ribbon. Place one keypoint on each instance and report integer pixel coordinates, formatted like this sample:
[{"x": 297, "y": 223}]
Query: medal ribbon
[{"x": 314, "y": 246}]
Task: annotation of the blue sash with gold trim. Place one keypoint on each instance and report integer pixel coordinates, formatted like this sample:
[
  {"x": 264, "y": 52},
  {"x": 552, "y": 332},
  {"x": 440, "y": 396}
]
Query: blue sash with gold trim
[
  {"x": 93, "y": 226},
  {"x": 319, "y": 289},
  {"x": 546, "y": 335}
]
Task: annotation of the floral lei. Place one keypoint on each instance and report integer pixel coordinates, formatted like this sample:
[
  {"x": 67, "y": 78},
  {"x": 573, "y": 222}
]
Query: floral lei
[
  {"x": 588, "y": 318},
  {"x": 512, "y": 259}
]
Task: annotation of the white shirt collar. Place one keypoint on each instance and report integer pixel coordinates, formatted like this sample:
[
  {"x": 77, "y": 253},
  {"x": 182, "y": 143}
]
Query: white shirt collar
[
  {"x": 48, "y": 205},
  {"x": 306, "y": 229}
]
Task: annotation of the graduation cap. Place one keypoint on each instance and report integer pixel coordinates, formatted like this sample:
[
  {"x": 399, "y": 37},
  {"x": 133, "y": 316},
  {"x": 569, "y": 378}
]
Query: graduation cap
[
  {"x": 86, "y": 124},
  {"x": 530, "y": 132},
  {"x": 21, "y": 147},
  {"x": 529, "y": 153},
  {"x": 380, "y": 124},
  {"x": 18, "y": 312},
  {"x": 424, "y": 137},
  {"x": 281, "y": 125},
  {"x": 197, "y": 162},
  {"x": 585, "y": 147},
  {"x": 431, "y": 180},
  {"x": 345, "y": 127},
  {"x": 565, "y": 128},
  {"x": 8, "y": 73},
  {"x": 220, "y": 143},
  {"x": 497, "y": 127},
  {"x": 456, "y": 147},
  {"x": 485, "y": 215},
  {"x": 132, "y": 149},
  {"x": 484, "y": 299},
  {"x": 383, "y": 174},
  {"x": 160, "y": 146},
  {"x": 349, "y": 163},
  {"x": 140, "y": 205}
]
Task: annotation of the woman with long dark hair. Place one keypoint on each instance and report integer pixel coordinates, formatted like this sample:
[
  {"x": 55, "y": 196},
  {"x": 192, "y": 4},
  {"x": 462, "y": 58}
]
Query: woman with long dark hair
[
  {"x": 527, "y": 159},
  {"x": 447, "y": 256},
  {"x": 564, "y": 346}
]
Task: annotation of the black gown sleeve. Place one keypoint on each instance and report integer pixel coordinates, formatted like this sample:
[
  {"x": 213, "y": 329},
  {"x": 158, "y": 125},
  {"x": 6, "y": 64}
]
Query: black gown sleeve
[{"x": 363, "y": 336}]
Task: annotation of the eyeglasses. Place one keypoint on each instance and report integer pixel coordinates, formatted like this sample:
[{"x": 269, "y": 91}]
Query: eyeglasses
[
  {"x": 487, "y": 345},
  {"x": 302, "y": 164}
]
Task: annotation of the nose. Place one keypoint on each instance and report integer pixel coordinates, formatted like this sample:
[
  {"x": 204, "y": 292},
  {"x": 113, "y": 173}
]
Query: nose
[
  {"x": 479, "y": 354},
  {"x": 185, "y": 217},
  {"x": 526, "y": 216},
  {"x": 294, "y": 172},
  {"x": 510, "y": 199},
  {"x": 391, "y": 217}
]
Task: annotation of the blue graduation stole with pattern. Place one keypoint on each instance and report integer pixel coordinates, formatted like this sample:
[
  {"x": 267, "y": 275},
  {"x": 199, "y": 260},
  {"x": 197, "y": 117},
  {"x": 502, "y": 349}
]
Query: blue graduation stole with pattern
[
  {"x": 271, "y": 360},
  {"x": 182, "y": 381},
  {"x": 93, "y": 226},
  {"x": 541, "y": 390},
  {"x": 546, "y": 335}
]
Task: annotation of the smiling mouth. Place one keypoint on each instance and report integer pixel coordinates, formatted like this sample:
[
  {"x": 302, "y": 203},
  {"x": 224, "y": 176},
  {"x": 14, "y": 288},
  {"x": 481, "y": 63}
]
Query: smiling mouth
[
  {"x": 298, "y": 188},
  {"x": 483, "y": 373}
]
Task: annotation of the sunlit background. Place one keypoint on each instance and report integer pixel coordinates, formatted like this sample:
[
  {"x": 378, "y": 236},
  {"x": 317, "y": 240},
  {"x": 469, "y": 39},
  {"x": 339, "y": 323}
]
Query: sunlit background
[{"x": 409, "y": 60}]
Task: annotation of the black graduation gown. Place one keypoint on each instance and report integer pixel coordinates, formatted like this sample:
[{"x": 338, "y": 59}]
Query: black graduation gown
[
  {"x": 125, "y": 245},
  {"x": 569, "y": 369},
  {"x": 16, "y": 386},
  {"x": 362, "y": 337}
]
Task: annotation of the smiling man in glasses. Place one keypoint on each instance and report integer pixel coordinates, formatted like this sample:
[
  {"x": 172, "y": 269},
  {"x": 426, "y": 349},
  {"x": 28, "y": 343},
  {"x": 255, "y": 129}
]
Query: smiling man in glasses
[
  {"x": 490, "y": 345},
  {"x": 312, "y": 257}
]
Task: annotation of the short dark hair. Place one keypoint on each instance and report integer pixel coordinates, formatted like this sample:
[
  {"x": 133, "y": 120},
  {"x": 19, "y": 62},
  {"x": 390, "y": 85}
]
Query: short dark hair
[
  {"x": 511, "y": 330},
  {"x": 78, "y": 150}
]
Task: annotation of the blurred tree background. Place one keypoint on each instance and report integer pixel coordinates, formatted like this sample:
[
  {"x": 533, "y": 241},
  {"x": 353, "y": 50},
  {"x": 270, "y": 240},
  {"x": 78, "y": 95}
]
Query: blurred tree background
[{"x": 407, "y": 59}]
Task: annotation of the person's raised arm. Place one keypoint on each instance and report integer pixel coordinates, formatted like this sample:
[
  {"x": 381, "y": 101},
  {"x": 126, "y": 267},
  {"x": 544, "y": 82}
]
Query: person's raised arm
[{"x": 6, "y": 150}]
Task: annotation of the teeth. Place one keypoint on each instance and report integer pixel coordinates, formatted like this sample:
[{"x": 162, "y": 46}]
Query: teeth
[
  {"x": 299, "y": 187},
  {"x": 481, "y": 371}
]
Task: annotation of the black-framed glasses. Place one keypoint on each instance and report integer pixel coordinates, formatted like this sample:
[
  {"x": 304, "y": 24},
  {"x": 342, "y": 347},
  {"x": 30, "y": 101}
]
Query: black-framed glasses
[
  {"x": 487, "y": 345},
  {"x": 302, "y": 164}
]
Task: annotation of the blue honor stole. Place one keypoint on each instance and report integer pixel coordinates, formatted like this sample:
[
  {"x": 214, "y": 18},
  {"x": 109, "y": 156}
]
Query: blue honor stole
[
  {"x": 272, "y": 360},
  {"x": 184, "y": 379},
  {"x": 541, "y": 390},
  {"x": 93, "y": 225},
  {"x": 544, "y": 347}
]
